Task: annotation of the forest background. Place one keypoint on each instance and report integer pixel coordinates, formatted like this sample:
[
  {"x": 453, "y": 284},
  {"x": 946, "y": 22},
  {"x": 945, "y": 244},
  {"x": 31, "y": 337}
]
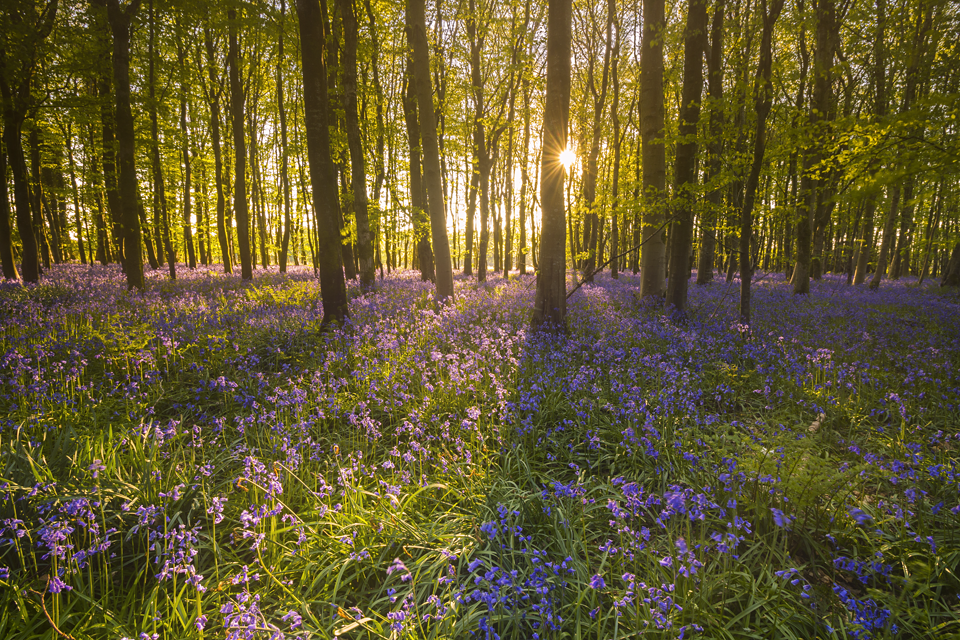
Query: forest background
[{"x": 807, "y": 138}]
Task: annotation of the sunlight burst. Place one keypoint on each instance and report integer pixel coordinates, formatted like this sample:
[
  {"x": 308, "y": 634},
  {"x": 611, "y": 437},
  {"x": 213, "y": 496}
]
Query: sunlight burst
[{"x": 567, "y": 158}]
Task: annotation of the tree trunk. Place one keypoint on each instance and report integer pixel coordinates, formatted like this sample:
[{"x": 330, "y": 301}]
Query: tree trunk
[
  {"x": 120, "y": 23},
  {"x": 812, "y": 186},
  {"x": 951, "y": 275},
  {"x": 213, "y": 97},
  {"x": 617, "y": 140},
  {"x": 37, "y": 198},
  {"x": 591, "y": 220},
  {"x": 322, "y": 172},
  {"x": 240, "y": 152},
  {"x": 431, "y": 150},
  {"x": 886, "y": 242},
  {"x": 15, "y": 90},
  {"x": 681, "y": 231},
  {"x": 763, "y": 95},
  {"x": 653, "y": 267},
  {"x": 524, "y": 178},
  {"x": 418, "y": 215},
  {"x": 284, "y": 153},
  {"x": 160, "y": 215},
  {"x": 550, "y": 306},
  {"x": 185, "y": 152},
  {"x": 358, "y": 173},
  {"x": 473, "y": 184},
  {"x": 6, "y": 246}
]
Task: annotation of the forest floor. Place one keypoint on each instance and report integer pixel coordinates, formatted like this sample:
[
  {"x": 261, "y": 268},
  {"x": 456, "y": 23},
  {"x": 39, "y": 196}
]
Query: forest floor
[{"x": 199, "y": 461}]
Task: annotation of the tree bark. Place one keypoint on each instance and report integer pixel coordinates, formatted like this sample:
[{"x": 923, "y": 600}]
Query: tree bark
[
  {"x": 763, "y": 96},
  {"x": 591, "y": 220},
  {"x": 358, "y": 172},
  {"x": 431, "y": 151},
  {"x": 240, "y": 204},
  {"x": 550, "y": 305},
  {"x": 160, "y": 214},
  {"x": 213, "y": 97},
  {"x": 617, "y": 140},
  {"x": 714, "y": 199},
  {"x": 322, "y": 172},
  {"x": 185, "y": 153},
  {"x": 681, "y": 231},
  {"x": 6, "y": 246},
  {"x": 284, "y": 152},
  {"x": 418, "y": 215},
  {"x": 120, "y": 22},
  {"x": 652, "y": 265},
  {"x": 951, "y": 275}
]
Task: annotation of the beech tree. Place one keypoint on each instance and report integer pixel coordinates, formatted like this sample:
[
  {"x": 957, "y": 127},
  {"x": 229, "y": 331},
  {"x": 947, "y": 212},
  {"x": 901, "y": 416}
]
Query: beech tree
[{"x": 550, "y": 305}]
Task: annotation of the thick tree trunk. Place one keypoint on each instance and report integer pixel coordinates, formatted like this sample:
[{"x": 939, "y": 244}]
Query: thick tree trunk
[
  {"x": 322, "y": 172},
  {"x": 120, "y": 25},
  {"x": 240, "y": 204},
  {"x": 951, "y": 275},
  {"x": 550, "y": 305},
  {"x": 6, "y": 246},
  {"x": 681, "y": 231},
  {"x": 821, "y": 108},
  {"x": 37, "y": 199},
  {"x": 431, "y": 150},
  {"x": 653, "y": 267}
]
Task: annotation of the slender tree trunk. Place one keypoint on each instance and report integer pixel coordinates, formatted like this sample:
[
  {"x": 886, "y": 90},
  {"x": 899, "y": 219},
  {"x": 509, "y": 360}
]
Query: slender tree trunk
[
  {"x": 591, "y": 221},
  {"x": 213, "y": 97},
  {"x": 81, "y": 246},
  {"x": 473, "y": 184},
  {"x": 933, "y": 222},
  {"x": 714, "y": 199},
  {"x": 284, "y": 153},
  {"x": 617, "y": 140},
  {"x": 763, "y": 96},
  {"x": 431, "y": 150},
  {"x": 524, "y": 177},
  {"x": 322, "y": 171},
  {"x": 160, "y": 215},
  {"x": 550, "y": 305},
  {"x": 240, "y": 152},
  {"x": 654, "y": 156},
  {"x": 887, "y": 240},
  {"x": 358, "y": 173},
  {"x": 185, "y": 152},
  {"x": 421, "y": 224},
  {"x": 681, "y": 231}
]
